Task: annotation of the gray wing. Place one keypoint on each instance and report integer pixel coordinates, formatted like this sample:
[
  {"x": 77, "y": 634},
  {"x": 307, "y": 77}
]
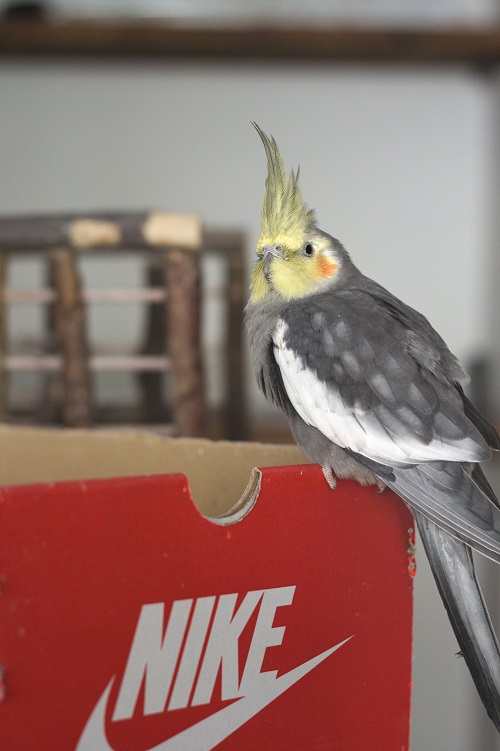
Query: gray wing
[
  {"x": 354, "y": 368},
  {"x": 384, "y": 392}
]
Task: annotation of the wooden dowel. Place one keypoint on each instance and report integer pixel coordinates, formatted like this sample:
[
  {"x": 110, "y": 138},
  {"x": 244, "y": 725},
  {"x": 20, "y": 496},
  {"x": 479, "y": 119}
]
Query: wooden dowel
[
  {"x": 235, "y": 407},
  {"x": 151, "y": 384},
  {"x": 183, "y": 313},
  {"x": 69, "y": 325},
  {"x": 3, "y": 377}
]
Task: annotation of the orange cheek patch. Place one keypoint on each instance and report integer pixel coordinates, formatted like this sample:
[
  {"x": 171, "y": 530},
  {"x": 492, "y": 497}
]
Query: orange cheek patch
[{"x": 325, "y": 267}]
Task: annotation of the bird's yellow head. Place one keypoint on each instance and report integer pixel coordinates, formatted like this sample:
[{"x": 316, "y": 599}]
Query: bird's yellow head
[{"x": 294, "y": 257}]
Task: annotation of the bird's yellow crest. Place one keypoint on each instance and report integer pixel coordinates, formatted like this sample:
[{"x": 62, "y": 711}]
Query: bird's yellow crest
[
  {"x": 285, "y": 217},
  {"x": 294, "y": 259}
]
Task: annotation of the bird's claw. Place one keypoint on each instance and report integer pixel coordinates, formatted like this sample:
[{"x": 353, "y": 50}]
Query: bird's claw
[
  {"x": 329, "y": 477},
  {"x": 332, "y": 480}
]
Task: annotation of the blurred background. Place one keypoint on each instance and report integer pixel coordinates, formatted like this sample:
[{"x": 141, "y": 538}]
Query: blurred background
[{"x": 392, "y": 110}]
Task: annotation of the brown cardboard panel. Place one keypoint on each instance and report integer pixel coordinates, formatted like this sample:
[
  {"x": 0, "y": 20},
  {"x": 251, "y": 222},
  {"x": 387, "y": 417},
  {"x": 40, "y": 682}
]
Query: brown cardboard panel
[{"x": 218, "y": 472}]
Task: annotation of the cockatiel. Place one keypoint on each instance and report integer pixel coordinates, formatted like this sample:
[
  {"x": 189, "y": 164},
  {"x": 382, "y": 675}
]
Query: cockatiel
[{"x": 372, "y": 393}]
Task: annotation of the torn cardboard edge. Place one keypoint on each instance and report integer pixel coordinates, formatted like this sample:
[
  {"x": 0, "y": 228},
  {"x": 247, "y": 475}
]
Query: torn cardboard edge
[
  {"x": 223, "y": 480},
  {"x": 244, "y": 504}
]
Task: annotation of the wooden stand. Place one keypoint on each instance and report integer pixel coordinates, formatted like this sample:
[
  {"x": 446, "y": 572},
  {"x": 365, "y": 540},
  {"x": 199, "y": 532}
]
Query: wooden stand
[{"x": 173, "y": 341}]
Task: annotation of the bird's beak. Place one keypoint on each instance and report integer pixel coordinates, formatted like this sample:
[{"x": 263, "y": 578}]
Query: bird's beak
[
  {"x": 275, "y": 250},
  {"x": 268, "y": 253}
]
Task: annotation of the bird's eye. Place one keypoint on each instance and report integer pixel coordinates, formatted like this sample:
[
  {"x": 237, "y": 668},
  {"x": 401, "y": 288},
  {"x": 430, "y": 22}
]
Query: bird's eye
[{"x": 309, "y": 249}]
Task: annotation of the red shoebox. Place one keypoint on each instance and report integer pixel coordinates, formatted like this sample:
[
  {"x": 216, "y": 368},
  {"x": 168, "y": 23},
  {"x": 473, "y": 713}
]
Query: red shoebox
[{"x": 129, "y": 621}]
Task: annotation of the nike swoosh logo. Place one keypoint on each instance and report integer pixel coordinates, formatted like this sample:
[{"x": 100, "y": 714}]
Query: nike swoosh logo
[{"x": 207, "y": 733}]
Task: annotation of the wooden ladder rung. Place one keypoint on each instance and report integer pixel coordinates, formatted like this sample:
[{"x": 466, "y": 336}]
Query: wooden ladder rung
[
  {"x": 12, "y": 296},
  {"x": 135, "y": 363},
  {"x": 133, "y": 295}
]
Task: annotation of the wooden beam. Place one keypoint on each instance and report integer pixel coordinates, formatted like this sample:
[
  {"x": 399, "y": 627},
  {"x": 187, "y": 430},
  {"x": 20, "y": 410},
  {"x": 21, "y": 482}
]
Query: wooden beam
[
  {"x": 329, "y": 42},
  {"x": 105, "y": 231}
]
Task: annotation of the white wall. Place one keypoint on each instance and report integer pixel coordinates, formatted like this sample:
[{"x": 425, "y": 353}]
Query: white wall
[{"x": 397, "y": 164}]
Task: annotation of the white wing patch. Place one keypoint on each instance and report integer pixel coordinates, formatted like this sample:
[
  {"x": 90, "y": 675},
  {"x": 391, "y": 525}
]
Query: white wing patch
[{"x": 321, "y": 405}]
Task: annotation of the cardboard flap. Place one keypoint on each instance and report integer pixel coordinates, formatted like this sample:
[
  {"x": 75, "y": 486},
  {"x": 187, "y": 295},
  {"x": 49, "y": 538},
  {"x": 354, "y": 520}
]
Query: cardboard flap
[{"x": 220, "y": 473}]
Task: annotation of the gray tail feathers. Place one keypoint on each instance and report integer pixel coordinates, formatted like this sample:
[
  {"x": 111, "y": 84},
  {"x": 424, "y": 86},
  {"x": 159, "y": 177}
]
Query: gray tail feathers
[{"x": 453, "y": 568}]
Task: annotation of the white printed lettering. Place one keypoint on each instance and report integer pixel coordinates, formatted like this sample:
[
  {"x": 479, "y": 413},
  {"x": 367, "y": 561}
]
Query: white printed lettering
[
  {"x": 222, "y": 647},
  {"x": 192, "y": 653},
  {"x": 153, "y": 658},
  {"x": 265, "y": 635}
]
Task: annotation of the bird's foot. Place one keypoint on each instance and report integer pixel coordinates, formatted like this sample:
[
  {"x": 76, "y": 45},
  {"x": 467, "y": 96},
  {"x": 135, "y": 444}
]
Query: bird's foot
[
  {"x": 364, "y": 478},
  {"x": 329, "y": 477}
]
